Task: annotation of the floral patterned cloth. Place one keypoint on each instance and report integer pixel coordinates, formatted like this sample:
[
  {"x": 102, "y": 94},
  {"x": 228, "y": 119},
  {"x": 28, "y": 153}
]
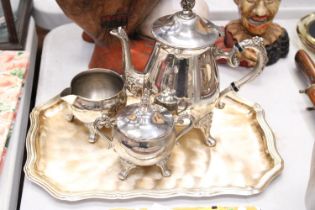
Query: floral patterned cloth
[{"x": 13, "y": 68}]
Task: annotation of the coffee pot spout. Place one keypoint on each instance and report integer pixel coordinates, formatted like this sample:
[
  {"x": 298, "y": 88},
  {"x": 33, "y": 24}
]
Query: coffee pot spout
[{"x": 134, "y": 78}]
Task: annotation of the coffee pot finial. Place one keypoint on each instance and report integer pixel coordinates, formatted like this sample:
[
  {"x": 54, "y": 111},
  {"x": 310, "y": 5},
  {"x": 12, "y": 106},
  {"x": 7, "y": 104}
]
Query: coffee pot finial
[{"x": 188, "y": 5}]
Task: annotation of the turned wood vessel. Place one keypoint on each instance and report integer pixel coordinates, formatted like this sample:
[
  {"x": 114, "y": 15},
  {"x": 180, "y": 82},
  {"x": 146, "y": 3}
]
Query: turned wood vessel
[{"x": 98, "y": 17}]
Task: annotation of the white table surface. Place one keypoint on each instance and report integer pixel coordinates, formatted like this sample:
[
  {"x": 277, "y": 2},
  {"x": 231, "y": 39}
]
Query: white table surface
[
  {"x": 10, "y": 177},
  {"x": 276, "y": 90}
]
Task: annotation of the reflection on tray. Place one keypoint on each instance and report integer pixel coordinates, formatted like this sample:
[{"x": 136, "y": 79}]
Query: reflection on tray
[{"x": 244, "y": 161}]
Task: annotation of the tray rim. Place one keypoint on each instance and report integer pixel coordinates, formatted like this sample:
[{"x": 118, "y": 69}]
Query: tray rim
[{"x": 32, "y": 175}]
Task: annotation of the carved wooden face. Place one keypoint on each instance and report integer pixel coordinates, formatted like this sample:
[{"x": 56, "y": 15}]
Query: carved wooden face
[{"x": 257, "y": 15}]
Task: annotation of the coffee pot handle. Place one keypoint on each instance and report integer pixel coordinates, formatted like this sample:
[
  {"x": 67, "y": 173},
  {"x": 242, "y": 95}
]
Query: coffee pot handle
[
  {"x": 107, "y": 122},
  {"x": 256, "y": 44}
]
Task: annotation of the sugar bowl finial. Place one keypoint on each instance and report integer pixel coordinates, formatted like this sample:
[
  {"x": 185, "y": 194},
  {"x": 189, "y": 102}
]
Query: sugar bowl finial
[{"x": 145, "y": 100}]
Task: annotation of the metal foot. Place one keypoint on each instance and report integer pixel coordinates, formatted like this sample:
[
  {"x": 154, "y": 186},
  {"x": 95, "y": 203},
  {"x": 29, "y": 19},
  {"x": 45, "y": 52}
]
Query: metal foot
[
  {"x": 69, "y": 117},
  {"x": 210, "y": 141},
  {"x": 205, "y": 126},
  {"x": 92, "y": 133},
  {"x": 126, "y": 168},
  {"x": 163, "y": 166}
]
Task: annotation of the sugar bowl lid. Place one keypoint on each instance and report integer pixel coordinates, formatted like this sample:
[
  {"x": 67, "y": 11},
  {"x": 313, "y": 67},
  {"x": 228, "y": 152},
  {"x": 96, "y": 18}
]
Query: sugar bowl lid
[
  {"x": 143, "y": 122},
  {"x": 185, "y": 29}
]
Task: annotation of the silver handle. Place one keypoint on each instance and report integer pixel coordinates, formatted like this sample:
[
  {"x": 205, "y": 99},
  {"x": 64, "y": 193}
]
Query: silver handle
[
  {"x": 107, "y": 122},
  {"x": 184, "y": 107},
  {"x": 256, "y": 44},
  {"x": 187, "y": 128}
]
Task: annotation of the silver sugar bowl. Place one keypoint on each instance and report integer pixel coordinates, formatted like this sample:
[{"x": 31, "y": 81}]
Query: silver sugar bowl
[{"x": 143, "y": 135}]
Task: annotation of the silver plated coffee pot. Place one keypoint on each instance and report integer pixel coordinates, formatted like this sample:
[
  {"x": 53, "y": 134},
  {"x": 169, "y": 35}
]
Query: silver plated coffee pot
[{"x": 182, "y": 69}]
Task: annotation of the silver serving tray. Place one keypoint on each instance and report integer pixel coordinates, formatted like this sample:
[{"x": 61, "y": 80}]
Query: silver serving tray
[{"x": 244, "y": 161}]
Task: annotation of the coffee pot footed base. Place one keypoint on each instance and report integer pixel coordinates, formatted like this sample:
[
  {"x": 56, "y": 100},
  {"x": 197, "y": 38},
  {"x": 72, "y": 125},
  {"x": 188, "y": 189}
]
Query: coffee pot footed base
[{"x": 204, "y": 125}]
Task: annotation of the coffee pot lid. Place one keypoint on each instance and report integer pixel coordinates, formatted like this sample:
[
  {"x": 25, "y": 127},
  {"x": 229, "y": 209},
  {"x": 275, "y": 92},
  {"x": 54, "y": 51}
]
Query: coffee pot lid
[
  {"x": 143, "y": 122},
  {"x": 185, "y": 29}
]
